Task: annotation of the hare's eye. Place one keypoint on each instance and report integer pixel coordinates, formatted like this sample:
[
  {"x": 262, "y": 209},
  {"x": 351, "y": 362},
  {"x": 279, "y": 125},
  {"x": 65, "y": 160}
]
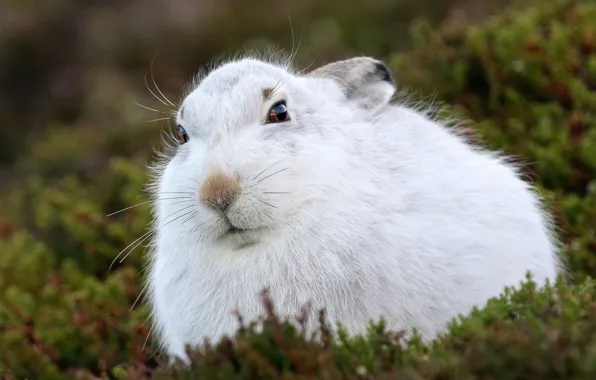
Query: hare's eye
[
  {"x": 278, "y": 113},
  {"x": 181, "y": 135}
]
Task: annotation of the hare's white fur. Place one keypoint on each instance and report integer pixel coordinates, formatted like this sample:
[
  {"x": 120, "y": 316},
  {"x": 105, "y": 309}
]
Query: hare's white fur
[{"x": 368, "y": 210}]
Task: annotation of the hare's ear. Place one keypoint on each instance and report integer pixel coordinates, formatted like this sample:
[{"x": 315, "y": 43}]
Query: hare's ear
[{"x": 364, "y": 80}]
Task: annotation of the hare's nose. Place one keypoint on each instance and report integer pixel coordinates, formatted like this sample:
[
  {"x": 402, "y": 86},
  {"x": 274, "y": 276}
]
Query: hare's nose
[{"x": 218, "y": 191}]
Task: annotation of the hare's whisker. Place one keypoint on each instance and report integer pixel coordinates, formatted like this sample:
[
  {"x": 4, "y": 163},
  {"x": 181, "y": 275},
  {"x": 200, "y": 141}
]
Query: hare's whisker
[
  {"x": 156, "y": 86},
  {"x": 267, "y": 168},
  {"x": 269, "y": 176},
  {"x": 144, "y": 203},
  {"x": 144, "y": 236}
]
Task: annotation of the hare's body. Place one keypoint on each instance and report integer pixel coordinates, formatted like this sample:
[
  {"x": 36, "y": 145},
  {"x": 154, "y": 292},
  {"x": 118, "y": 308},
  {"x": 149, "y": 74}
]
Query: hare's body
[{"x": 363, "y": 208}]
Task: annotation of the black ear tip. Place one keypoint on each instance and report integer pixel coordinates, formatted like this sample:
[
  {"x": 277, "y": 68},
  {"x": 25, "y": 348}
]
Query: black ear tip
[{"x": 383, "y": 72}]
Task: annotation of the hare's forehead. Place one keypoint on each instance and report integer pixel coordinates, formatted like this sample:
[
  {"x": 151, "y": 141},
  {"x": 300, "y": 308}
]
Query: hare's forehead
[
  {"x": 235, "y": 84},
  {"x": 242, "y": 75}
]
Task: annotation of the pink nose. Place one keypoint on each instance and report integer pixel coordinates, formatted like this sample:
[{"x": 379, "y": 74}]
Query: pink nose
[{"x": 219, "y": 191}]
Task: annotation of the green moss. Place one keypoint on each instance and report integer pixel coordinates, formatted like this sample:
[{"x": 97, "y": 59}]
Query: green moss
[{"x": 55, "y": 317}]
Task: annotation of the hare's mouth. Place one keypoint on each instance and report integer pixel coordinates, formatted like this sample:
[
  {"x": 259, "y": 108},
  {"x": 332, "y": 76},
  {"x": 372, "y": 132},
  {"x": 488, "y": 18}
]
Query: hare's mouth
[
  {"x": 236, "y": 230},
  {"x": 233, "y": 230},
  {"x": 242, "y": 237}
]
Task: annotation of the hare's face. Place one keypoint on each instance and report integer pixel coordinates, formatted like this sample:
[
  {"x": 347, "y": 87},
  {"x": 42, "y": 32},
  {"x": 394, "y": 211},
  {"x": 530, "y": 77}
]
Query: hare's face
[{"x": 259, "y": 148}]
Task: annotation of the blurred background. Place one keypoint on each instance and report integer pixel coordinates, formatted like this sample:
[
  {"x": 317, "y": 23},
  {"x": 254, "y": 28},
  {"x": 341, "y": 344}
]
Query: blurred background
[
  {"x": 71, "y": 70},
  {"x": 74, "y": 145}
]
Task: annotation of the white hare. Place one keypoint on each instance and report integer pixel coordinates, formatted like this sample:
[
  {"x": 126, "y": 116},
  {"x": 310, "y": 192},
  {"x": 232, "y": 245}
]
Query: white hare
[{"x": 317, "y": 187}]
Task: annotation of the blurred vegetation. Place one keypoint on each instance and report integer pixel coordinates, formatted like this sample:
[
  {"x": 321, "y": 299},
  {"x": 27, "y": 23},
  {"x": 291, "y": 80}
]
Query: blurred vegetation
[
  {"x": 73, "y": 148},
  {"x": 78, "y": 67}
]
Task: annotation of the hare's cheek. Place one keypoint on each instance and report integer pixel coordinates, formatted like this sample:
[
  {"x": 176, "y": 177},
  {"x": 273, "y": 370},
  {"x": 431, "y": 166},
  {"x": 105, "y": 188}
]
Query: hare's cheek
[{"x": 291, "y": 148}]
